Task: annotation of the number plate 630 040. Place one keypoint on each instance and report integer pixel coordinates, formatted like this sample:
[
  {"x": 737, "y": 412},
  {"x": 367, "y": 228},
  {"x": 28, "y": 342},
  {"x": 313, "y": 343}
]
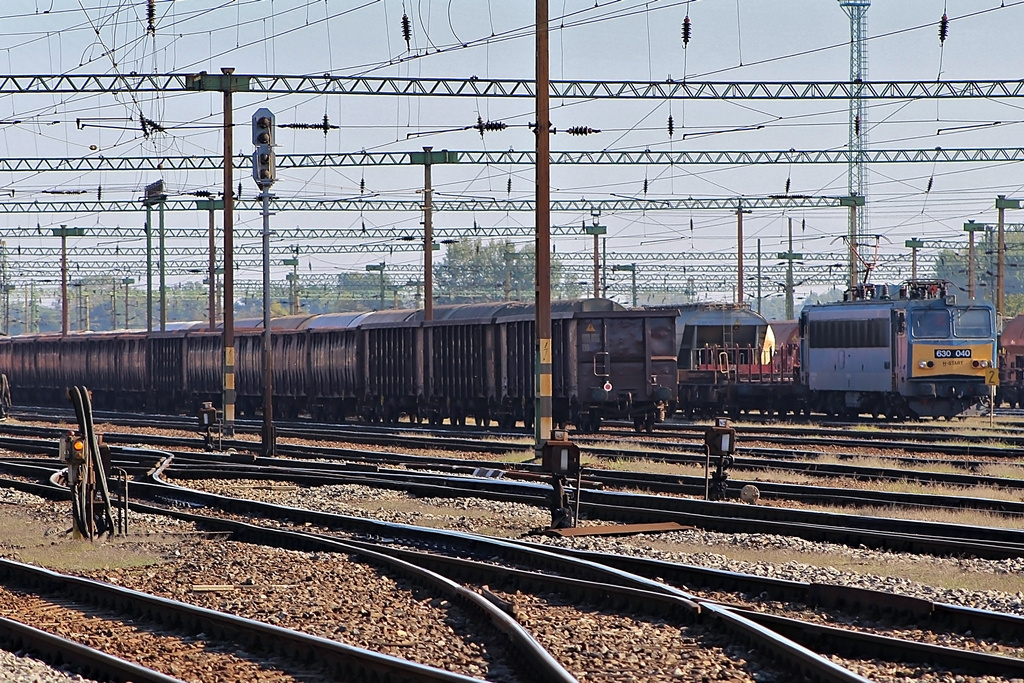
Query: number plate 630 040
[{"x": 952, "y": 353}]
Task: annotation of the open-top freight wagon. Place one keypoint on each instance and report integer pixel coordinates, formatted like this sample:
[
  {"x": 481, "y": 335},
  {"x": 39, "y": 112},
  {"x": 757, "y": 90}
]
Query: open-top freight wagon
[{"x": 471, "y": 361}]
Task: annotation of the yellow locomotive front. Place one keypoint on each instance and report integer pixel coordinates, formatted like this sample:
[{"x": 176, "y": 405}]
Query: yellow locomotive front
[{"x": 952, "y": 355}]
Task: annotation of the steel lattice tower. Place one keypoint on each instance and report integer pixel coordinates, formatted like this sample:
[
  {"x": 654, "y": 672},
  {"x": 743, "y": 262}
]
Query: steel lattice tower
[{"x": 858, "y": 13}]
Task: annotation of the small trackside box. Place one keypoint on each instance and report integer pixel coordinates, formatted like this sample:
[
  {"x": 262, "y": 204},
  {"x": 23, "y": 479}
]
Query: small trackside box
[
  {"x": 559, "y": 455},
  {"x": 720, "y": 438}
]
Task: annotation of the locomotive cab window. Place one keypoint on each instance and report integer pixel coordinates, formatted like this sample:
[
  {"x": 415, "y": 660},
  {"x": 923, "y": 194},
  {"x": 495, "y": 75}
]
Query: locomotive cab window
[
  {"x": 972, "y": 323},
  {"x": 930, "y": 324}
]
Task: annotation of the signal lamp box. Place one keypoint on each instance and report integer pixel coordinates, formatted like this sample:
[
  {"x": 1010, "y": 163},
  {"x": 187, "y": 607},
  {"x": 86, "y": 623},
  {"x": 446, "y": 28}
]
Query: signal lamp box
[
  {"x": 720, "y": 438},
  {"x": 207, "y": 415},
  {"x": 559, "y": 455}
]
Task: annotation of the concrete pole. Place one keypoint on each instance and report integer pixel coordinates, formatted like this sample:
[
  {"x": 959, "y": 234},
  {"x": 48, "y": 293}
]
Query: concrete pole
[
  {"x": 1000, "y": 265},
  {"x": 213, "y": 268},
  {"x": 428, "y": 241},
  {"x": 229, "y": 262},
  {"x": 65, "y": 318},
  {"x": 739, "y": 252},
  {"x": 149, "y": 267}
]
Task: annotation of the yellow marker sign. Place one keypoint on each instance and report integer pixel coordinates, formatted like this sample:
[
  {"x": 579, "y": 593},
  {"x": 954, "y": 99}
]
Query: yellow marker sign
[
  {"x": 545, "y": 351},
  {"x": 590, "y": 327},
  {"x": 992, "y": 377}
]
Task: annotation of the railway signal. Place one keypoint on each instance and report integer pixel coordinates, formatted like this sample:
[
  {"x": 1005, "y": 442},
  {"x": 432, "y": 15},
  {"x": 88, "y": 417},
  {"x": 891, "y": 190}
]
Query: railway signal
[
  {"x": 265, "y": 173},
  {"x": 264, "y": 170}
]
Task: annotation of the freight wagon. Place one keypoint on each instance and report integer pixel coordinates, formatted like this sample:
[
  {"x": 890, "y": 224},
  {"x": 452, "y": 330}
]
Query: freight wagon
[{"x": 471, "y": 361}]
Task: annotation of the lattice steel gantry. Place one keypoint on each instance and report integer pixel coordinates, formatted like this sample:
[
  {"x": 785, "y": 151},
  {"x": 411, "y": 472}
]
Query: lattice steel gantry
[{"x": 857, "y": 10}]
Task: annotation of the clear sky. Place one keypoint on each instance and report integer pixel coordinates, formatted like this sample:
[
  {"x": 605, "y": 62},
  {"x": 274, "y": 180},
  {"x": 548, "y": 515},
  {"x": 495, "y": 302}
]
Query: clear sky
[{"x": 732, "y": 40}]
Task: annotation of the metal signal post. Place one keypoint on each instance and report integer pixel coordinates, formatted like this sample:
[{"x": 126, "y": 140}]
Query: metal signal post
[
  {"x": 264, "y": 173},
  {"x": 542, "y": 418}
]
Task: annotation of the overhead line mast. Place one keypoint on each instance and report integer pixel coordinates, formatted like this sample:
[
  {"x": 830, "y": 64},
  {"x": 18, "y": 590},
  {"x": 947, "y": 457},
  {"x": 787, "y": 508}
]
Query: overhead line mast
[{"x": 858, "y": 13}]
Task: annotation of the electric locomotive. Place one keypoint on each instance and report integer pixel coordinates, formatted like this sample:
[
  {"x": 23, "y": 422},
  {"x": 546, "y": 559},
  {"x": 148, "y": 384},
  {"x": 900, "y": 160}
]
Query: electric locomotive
[{"x": 920, "y": 354}]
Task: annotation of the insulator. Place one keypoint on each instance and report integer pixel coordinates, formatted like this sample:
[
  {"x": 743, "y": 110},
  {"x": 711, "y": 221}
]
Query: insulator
[
  {"x": 489, "y": 126},
  {"x": 687, "y": 28},
  {"x": 407, "y": 31},
  {"x": 930, "y": 182},
  {"x": 787, "y": 185},
  {"x": 362, "y": 186},
  {"x": 325, "y": 126},
  {"x": 671, "y": 126},
  {"x": 151, "y": 17},
  {"x": 581, "y": 130},
  {"x": 239, "y": 195},
  {"x": 201, "y": 193},
  {"x": 856, "y": 125},
  {"x": 149, "y": 126},
  {"x": 943, "y": 28},
  {"x": 645, "y": 186},
  {"x": 508, "y": 186},
  {"x": 691, "y": 225}
]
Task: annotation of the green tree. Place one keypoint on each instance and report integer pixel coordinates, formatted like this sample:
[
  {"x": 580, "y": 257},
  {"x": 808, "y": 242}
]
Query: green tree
[
  {"x": 952, "y": 265},
  {"x": 475, "y": 270}
]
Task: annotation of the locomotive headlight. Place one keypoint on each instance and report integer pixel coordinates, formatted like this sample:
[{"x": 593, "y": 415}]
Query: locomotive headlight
[
  {"x": 980, "y": 363},
  {"x": 922, "y": 364}
]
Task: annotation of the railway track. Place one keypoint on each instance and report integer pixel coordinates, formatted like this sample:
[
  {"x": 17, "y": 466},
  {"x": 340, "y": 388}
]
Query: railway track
[
  {"x": 191, "y": 466},
  {"x": 602, "y": 497},
  {"x": 851, "y": 530},
  {"x": 617, "y": 583},
  {"x": 188, "y": 641},
  {"x": 915, "y": 439}
]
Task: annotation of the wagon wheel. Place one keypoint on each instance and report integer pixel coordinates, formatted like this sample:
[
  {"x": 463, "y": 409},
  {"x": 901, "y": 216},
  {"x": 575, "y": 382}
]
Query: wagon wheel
[{"x": 649, "y": 424}]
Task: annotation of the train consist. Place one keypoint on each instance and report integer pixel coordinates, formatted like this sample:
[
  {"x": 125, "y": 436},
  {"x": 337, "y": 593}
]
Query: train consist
[
  {"x": 469, "y": 361},
  {"x": 916, "y": 354}
]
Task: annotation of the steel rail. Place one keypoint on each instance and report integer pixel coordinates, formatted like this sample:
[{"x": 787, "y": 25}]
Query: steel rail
[
  {"x": 678, "y": 484},
  {"x": 90, "y": 662},
  {"x": 633, "y": 591},
  {"x": 897, "y": 534},
  {"x": 626, "y": 591},
  {"x": 343, "y": 659},
  {"x": 796, "y": 656},
  {"x": 721, "y": 516},
  {"x": 857, "y": 643}
]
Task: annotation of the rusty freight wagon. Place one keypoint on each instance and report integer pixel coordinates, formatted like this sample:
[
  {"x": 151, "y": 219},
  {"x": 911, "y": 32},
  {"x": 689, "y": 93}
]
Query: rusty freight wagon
[{"x": 471, "y": 361}]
